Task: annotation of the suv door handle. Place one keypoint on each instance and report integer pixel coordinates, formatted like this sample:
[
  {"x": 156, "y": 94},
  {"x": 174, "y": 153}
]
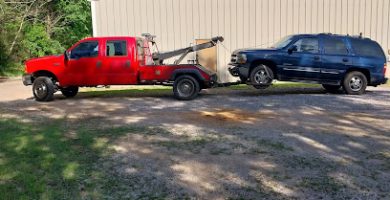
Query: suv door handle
[{"x": 345, "y": 60}]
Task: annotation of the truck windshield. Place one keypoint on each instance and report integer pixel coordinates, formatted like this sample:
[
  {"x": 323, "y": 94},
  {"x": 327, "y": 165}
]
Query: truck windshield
[{"x": 283, "y": 42}]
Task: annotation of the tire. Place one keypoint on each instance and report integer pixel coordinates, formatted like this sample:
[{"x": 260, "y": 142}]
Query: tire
[
  {"x": 186, "y": 87},
  {"x": 43, "y": 89},
  {"x": 355, "y": 83},
  {"x": 331, "y": 88},
  {"x": 259, "y": 76},
  {"x": 70, "y": 91},
  {"x": 243, "y": 79}
]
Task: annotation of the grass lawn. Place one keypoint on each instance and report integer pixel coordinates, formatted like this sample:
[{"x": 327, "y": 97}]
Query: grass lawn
[
  {"x": 161, "y": 90},
  {"x": 279, "y": 85},
  {"x": 55, "y": 159}
]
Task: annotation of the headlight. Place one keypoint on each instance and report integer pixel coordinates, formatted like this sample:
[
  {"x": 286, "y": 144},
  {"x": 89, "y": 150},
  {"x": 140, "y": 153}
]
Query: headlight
[{"x": 241, "y": 58}]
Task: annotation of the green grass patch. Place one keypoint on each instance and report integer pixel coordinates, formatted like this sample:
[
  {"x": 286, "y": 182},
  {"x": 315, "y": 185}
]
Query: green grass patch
[
  {"x": 278, "y": 85},
  {"x": 134, "y": 91},
  {"x": 54, "y": 159}
]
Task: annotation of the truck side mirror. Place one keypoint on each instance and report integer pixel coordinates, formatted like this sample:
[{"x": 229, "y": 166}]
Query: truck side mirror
[
  {"x": 292, "y": 49},
  {"x": 66, "y": 55}
]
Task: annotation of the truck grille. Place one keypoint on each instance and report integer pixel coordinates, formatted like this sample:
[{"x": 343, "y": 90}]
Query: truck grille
[{"x": 233, "y": 59}]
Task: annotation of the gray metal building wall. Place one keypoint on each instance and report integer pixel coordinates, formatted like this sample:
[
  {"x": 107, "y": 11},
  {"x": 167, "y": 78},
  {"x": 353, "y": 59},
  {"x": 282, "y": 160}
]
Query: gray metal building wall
[{"x": 243, "y": 23}]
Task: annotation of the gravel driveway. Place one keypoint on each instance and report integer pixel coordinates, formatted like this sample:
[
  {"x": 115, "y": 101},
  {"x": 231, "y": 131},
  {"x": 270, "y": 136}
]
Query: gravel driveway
[{"x": 281, "y": 143}]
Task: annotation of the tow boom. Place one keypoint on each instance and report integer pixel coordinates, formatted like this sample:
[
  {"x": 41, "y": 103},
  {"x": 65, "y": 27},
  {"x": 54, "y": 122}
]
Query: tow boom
[{"x": 159, "y": 57}]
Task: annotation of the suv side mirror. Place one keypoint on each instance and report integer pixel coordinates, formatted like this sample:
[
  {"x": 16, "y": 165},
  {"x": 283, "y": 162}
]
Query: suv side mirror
[{"x": 292, "y": 49}]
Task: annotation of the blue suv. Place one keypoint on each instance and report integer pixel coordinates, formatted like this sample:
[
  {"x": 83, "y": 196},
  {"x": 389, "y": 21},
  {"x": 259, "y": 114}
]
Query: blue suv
[{"x": 334, "y": 61}]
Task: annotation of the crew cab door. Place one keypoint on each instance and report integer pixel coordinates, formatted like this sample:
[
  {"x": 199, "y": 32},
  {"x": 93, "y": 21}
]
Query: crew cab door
[
  {"x": 302, "y": 60},
  {"x": 118, "y": 59},
  {"x": 80, "y": 67},
  {"x": 336, "y": 59}
]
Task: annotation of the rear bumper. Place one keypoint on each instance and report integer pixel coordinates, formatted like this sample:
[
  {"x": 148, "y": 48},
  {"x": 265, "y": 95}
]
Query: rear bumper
[
  {"x": 212, "y": 82},
  {"x": 385, "y": 80},
  {"x": 27, "y": 79}
]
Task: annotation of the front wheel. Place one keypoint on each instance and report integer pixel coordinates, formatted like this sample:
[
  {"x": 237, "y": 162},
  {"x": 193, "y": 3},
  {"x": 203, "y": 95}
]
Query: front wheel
[
  {"x": 186, "y": 87},
  {"x": 261, "y": 77},
  {"x": 43, "y": 89},
  {"x": 70, "y": 91},
  {"x": 355, "y": 83}
]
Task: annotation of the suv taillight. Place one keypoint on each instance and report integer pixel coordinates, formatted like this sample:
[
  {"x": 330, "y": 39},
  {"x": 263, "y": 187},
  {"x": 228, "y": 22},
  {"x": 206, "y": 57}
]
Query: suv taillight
[{"x": 384, "y": 69}]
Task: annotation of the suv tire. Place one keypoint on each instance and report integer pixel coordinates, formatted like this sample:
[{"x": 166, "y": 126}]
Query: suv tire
[
  {"x": 355, "y": 83},
  {"x": 261, "y": 74},
  {"x": 331, "y": 88},
  {"x": 70, "y": 91},
  {"x": 43, "y": 89},
  {"x": 186, "y": 87}
]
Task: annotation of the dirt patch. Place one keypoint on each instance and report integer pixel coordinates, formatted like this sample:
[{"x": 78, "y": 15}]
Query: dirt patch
[{"x": 231, "y": 116}]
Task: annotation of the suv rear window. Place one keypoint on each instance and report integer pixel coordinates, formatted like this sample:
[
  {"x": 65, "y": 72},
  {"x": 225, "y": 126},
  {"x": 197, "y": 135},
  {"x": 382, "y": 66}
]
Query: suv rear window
[
  {"x": 334, "y": 45},
  {"x": 366, "y": 48}
]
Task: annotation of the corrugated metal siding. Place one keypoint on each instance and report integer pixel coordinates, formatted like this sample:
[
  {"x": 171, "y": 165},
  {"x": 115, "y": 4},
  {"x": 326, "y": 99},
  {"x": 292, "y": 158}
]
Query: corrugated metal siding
[{"x": 243, "y": 23}]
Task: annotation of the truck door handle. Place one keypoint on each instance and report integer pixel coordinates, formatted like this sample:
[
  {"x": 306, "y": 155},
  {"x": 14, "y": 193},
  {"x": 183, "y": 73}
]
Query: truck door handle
[
  {"x": 345, "y": 60},
  {"x": 98, "y": 64},
  {"x": 316, "y": 58},
  {"x": 127, "y": 64}
]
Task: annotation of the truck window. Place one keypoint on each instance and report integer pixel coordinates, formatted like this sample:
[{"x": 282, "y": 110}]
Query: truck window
[
  {"x": 140, "y": 50},
  {"x": 85, "y": 49},
  {"x": 116, "y": 48},
  {"x": 334, "y": 45},
  {"x": 307, "y": 45},
  {"x": 366, "y": 48}
]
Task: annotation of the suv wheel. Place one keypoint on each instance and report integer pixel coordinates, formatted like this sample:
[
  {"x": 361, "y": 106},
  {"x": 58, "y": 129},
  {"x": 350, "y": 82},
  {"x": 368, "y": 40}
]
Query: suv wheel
[
  {"x": 331, "y": 88},
  {"x": 261, "y": 77},
  {"x": 43, "y": 89},
  {"x": 355, "y": 83},
  {"x": 186, "y": 87},
  {"x": 70, "y": 91}
]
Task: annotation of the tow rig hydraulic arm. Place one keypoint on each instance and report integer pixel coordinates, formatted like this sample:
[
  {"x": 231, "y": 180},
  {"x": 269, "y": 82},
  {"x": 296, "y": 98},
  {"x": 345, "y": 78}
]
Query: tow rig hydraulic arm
[{"x": 159, "y": 57}]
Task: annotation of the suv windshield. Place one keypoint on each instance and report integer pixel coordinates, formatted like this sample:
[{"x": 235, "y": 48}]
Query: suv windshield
[{"x": 283, "y": 42}]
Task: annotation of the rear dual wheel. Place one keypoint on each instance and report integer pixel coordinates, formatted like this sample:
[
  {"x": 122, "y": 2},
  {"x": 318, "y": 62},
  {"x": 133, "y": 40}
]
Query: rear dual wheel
[{"x": 186, "y": 87}]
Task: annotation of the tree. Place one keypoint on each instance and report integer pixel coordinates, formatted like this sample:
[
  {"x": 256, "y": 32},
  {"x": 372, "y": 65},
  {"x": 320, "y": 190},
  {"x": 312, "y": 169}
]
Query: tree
[{"x": 32, "y": 28}]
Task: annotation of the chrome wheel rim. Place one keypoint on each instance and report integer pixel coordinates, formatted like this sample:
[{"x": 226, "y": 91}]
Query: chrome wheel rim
[
  {"x": 186, "y": 88},
  {"x": 40, "y": 90},
  {"x": 261, "y": 77},
  {"x": 356, "y": 83}
]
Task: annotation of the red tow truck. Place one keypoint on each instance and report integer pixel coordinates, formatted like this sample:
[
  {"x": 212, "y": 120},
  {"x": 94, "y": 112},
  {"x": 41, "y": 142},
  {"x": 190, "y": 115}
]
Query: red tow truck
[{"x": 103, "y": 61}]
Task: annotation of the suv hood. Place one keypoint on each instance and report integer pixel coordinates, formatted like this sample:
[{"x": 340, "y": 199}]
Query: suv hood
[{"x": 252, "y": 50}]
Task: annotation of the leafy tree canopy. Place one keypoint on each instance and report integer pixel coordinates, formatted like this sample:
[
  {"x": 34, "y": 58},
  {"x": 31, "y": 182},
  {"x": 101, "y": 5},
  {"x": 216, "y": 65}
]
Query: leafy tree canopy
[{"x": 32, "y": 28}]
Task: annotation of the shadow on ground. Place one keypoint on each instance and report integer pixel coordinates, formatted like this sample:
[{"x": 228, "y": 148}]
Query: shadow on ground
[{"x": 252, "y": 146}]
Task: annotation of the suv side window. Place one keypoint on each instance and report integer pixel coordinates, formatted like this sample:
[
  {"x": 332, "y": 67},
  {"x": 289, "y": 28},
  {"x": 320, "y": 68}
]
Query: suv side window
[
  {"x": 116, "y": 48},
  {"x": 307, "y": 45},
  {"x": 85, "y": 49},
  {"x": 366, "y": 48},
  {"x": 334, "y": 45}
]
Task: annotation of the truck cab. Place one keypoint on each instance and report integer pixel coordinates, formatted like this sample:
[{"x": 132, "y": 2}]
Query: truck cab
[{"x": 112, "y": 61}]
